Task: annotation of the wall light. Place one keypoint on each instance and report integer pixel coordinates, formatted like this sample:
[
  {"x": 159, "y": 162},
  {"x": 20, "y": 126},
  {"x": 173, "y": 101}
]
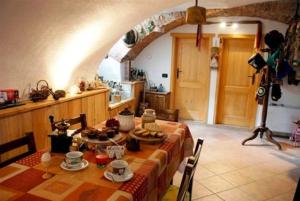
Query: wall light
[
  {"x": 223, "y": 24},
  {"x": 234, "y": 26},
  {"x": 229, "y": 25}
]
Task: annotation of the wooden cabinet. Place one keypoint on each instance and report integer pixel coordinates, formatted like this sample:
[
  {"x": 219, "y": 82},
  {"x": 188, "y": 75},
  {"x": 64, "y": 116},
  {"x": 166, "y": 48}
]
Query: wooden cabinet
[
  {"x": 14, "y": 122},
  {"x": 158, "y": 100},
  {"x": 88, "y": 107},
  {"x": 101, "y": 108}
]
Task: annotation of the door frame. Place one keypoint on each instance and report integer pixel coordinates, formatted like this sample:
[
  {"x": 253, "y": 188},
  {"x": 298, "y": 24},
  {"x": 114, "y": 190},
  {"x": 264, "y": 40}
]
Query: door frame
[
  {"x": 175, "y": 37},
  {"x": 220, "y": 68}
]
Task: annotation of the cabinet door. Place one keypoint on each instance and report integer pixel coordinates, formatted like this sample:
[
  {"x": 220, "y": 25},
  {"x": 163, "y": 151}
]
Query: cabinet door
[
  {"x": 88, "y": 107},
  {"x": 152, "y": 100},
  {"x": 161, "y": 102},
  {"x": 101, "y": 108},
  {"x": 13, "y": 127},
  {"x": 60, "y": 111},
  {"x": 41, "y": 126},
  {"x": 74, "y": 110}
]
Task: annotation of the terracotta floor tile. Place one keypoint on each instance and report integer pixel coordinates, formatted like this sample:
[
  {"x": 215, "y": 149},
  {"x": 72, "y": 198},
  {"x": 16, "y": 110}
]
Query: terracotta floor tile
[
  {"x": 219, "y": 167},
  {"x": 200, "y": 191},
  {"x": 236, "y": 178},
  {"x": 216, "y": 184},
  {"x": 267, "y": 188},
  {"x": 259, "y": 171},
  {"x": 235, "y": 195},
  {"x": 284, "y": 197},
  {"x": 257, "y": 192},
  {"x": 202, "y": 173},
  {"x": 256, "y": 172},
  {"x": 209, "y": 198}
]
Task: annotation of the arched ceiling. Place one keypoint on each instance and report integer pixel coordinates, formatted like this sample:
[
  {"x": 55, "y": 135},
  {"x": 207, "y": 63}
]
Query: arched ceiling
[
  {"x": 281, "y": 11},
  {"x": 61, "y": 40}
]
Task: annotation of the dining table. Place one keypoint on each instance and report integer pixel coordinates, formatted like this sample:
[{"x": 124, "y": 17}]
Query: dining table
[{"x": 153, "y": 167}]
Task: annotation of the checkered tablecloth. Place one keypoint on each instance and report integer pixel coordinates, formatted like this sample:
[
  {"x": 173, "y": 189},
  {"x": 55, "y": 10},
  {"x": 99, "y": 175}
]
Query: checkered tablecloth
[{"x": 153, "y": 167}]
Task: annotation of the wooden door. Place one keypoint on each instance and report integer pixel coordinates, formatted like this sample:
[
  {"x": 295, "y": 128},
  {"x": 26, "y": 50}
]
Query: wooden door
[
  {"x": 236, "y": 100},
  {"x": 192, "y": 74}
]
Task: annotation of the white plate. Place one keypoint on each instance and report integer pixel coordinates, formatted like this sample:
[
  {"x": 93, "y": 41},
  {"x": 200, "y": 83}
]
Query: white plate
[
  {"x": 83, "y": 165},
  {"x": 118, "y": 178}
]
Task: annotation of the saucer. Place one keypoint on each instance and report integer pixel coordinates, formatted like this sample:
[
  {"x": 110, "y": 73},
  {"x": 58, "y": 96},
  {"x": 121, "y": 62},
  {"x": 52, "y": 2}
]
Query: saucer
[
  {"x": 118, "y": 178},
  {"x": 83, "y": 165}
]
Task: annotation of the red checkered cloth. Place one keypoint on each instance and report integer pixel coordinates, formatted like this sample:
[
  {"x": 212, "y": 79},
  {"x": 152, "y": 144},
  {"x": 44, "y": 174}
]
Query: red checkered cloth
[
  {"x": 137, "y": 186},
  {"x": 31, "y": 160}
]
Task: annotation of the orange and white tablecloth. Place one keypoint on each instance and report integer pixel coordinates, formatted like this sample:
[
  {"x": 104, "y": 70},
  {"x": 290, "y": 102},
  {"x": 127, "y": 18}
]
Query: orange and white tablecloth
[{"x": 154, "y": 166}]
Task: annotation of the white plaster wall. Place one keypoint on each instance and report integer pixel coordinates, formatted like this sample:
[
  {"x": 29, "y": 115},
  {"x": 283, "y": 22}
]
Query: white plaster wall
[
  {"x": 156, "y": 59},
  {"x": 63, "y": 40},
  {"x": 110, "y": 69}
]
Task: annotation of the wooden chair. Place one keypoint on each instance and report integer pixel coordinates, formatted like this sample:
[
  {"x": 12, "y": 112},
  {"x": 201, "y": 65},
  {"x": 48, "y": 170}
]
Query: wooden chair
[
  {"x": 168, "y": 115},
  {"x": 184, "y": 192},
  {"x": 297, "y": 193},
  {"x": 28, "y": 140},
  {"x": 81, "y": 119}
]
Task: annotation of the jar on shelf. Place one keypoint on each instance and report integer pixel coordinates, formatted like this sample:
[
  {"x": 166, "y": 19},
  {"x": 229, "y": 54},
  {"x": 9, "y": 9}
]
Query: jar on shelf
[{"x": 148, "y": 116}]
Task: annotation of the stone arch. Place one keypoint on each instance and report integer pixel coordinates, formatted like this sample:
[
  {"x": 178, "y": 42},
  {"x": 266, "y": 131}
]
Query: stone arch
[{"x": 281, "y": 11}]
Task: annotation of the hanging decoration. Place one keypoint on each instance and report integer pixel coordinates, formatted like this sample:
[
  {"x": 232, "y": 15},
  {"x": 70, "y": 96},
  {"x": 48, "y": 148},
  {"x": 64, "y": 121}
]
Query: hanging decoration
[
  {"x": 292, "y": 48},
  {"x": 196, "y": 15}
]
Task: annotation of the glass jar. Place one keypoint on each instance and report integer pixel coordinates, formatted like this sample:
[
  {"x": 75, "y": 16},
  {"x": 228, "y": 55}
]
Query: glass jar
[{"x": 148, "y": 116}]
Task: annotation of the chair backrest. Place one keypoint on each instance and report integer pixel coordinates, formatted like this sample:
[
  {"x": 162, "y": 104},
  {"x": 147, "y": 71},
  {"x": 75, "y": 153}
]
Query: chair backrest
[
  {"x": 297, "y": 193},
  {"x": 187, "y": 180},
  {"x": 197, "y": 150},
  {"x": 186, "y": 184},
  {"x": 28, "y": 140},
  {"x": 81, "y": 119},
  {"x": 168, "y": 115}
]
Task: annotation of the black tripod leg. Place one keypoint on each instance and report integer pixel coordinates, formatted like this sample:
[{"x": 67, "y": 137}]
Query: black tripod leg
[
  {"x": 261, "y": 133},
  {"x": 255, "y": 134},
  {"x": 270, "y": 138}
]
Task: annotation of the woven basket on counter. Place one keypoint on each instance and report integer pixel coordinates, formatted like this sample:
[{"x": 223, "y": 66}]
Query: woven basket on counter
[{"x": 41, "y": 92}]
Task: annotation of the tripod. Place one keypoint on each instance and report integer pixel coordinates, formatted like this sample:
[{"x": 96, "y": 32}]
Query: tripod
[{"x": 262, "y": 129}]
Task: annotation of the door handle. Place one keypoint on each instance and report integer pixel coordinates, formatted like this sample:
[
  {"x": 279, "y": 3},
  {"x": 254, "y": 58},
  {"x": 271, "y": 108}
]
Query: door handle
[{"x": 177, "y": 72}]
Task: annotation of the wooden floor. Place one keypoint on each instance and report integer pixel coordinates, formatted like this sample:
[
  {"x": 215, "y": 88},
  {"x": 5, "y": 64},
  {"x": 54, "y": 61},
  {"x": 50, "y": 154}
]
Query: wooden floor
[{"x": 232, "y": 172}]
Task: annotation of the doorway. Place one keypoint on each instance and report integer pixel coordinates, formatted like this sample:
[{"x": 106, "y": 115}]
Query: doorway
[
  {"x": 236, "y": 98},
  {"x": 190, "y": 76}
]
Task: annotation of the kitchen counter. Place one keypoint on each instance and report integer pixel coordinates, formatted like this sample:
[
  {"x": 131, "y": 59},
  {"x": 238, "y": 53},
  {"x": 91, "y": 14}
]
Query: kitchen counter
[
  {"x": 122, "y": 102},
  {"x": 29, "y": 105}
]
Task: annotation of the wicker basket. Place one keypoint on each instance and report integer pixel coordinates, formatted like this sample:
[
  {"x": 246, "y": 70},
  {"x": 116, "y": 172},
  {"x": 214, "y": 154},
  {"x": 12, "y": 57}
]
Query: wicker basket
[{"x": 41, "y": 92}]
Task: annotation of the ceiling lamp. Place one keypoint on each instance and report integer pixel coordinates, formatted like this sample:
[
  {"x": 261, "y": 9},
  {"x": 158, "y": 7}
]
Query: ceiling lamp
[{"x": 196, "y": 15}]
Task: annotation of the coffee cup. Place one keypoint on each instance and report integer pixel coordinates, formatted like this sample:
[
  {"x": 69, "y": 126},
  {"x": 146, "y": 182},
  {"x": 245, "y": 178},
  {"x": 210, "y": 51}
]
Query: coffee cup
[
  {"x": 74, "y": 158},
  {"x": 119, "y": 166}
]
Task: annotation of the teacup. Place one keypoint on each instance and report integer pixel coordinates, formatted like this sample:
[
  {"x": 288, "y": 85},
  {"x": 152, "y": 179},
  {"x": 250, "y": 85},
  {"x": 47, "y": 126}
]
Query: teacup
[
  {"x": 119, "y": 166},
  {"x": 74, "y": 158}
]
